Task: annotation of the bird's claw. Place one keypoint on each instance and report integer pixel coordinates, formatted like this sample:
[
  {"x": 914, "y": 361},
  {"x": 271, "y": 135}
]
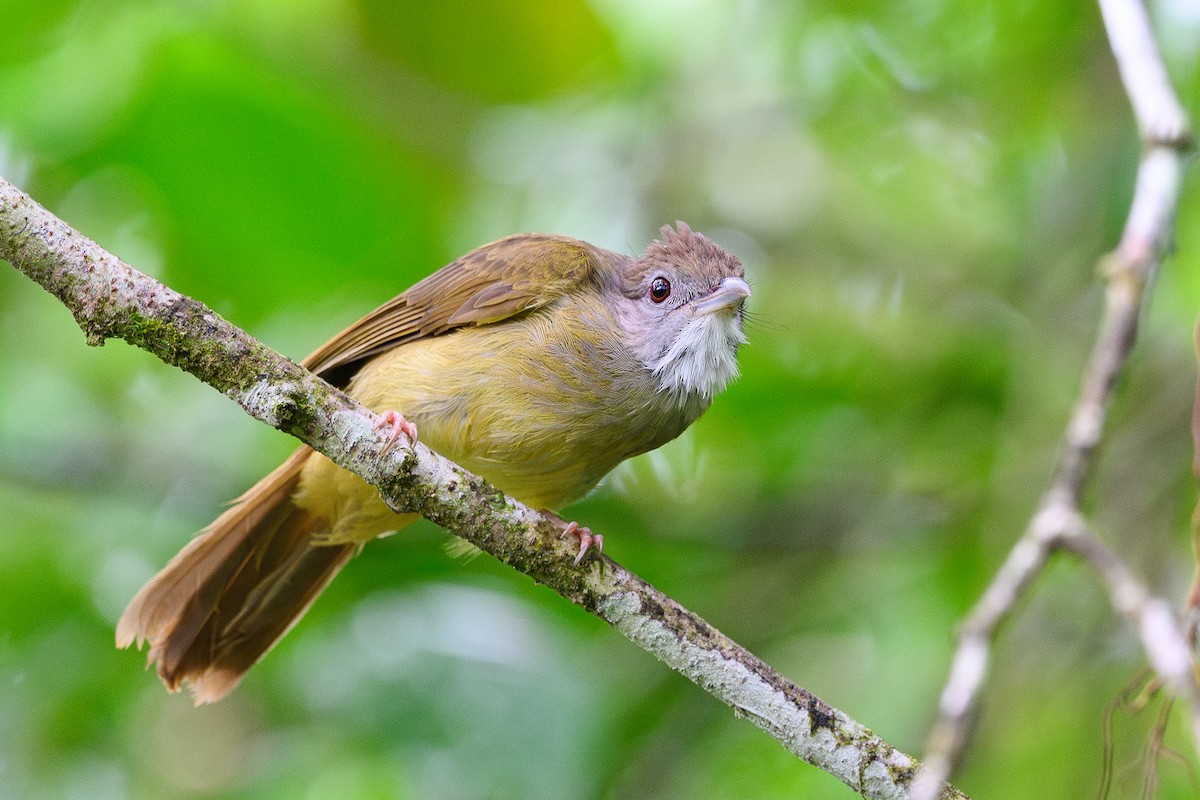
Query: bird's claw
[
  {"x": 395, "y": 424},
  {"x": 586, "y": 540}
]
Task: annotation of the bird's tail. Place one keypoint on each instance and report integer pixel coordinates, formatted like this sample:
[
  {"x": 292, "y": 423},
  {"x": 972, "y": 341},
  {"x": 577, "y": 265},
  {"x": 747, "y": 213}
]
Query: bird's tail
[{"x": 238, "y": 587}]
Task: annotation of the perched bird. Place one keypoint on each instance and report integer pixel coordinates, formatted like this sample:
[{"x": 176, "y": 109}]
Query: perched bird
[{"x": 539, "y": 362}]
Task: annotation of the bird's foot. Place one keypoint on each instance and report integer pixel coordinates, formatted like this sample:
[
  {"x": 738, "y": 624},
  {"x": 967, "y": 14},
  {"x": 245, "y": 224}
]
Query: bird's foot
[
  {"x": 395, "y": 424},
  {"x": 587, "y": 539}
]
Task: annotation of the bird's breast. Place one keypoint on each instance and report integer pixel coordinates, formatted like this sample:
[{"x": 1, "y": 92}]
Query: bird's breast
[{"x": 543, "y": 406}]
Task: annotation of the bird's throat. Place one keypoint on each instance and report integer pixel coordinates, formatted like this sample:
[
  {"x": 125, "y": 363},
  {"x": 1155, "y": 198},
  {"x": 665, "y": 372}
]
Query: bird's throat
[{"x": 702, "y": 360}]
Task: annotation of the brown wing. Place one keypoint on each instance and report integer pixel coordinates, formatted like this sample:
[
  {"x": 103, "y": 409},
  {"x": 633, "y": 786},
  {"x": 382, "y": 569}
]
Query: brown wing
[{"x": 492, "y": 283}]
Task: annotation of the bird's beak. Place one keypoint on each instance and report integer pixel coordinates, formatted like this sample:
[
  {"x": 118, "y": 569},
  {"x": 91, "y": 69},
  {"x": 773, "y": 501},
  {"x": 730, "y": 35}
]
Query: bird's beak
[{"x": 729, "y": 294}]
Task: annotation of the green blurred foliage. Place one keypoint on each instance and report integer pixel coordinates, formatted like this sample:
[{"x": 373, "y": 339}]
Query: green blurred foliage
[{"x": 920, "y": 193}]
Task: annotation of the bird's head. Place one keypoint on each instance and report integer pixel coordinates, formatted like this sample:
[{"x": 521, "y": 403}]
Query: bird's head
[{"x": 685, "y": 318}]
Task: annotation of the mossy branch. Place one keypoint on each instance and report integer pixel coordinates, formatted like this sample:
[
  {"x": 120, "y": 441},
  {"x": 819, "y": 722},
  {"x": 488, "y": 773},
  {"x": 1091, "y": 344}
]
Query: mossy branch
[{"x": 110, "y": 299}]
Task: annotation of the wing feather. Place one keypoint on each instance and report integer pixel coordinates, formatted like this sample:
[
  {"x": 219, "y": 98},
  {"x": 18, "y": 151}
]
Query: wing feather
[{"x": 488, "y": 285}]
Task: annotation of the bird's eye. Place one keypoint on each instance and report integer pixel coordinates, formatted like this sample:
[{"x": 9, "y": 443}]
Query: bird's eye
[{"x": 660, "y": 289}]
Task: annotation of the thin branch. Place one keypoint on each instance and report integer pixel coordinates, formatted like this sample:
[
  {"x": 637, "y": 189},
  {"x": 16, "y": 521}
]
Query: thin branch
[
  {"x": 1160, "y": 116},
  {"x": 111, "y": 299},
  {"x": 1057, "y": 523}
]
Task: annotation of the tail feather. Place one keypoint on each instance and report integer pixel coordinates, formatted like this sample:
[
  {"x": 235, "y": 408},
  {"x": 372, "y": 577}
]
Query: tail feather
[{"x": 226, "y": 598}]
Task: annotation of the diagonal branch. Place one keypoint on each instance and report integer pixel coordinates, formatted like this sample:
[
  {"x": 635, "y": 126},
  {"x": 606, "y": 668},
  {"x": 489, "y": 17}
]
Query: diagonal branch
[
  {"x": 111, "y": 299},
  {"x": 1058, "y": 523}
]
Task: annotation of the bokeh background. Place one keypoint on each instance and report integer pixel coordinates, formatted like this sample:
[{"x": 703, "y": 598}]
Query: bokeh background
[{"x": 919, "y": 191}]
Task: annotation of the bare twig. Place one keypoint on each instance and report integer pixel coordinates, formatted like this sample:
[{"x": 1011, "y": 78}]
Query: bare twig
[
  {"x": 1160, "y": 117},
  {"x": 1057, "y": 523},
  {"x": 111, "y": 299}
]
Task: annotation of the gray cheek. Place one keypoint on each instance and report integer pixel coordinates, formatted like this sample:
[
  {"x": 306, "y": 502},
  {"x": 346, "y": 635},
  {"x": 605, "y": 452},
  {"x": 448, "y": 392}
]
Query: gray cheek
[{"x": 666, "y": 333}]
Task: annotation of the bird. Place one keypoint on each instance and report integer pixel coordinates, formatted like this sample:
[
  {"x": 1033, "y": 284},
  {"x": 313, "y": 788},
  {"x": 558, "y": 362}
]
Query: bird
[{"x": 538, "y": 362}]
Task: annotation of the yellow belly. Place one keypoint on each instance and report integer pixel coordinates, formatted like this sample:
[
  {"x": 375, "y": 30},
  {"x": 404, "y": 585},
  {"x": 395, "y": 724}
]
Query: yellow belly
[{"x": 542, "y": 407}]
